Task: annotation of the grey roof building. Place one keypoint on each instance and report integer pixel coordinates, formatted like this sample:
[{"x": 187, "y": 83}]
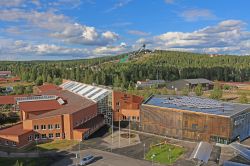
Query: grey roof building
[
  {"x": 149, "y": 83},
  {"x": 195, "y": 118},
  {"x": 190, "y": 84}
]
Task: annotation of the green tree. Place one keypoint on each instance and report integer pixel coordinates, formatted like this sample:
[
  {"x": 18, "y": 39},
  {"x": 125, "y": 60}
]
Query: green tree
[
  {"x": 39, "y": 81},
  {"x": 57, "y": 81},
  {"x": 185, "y": 91},
  {"x": 217, "y": 92},
  {"x": 49, "y": 79},
  {"x": 198, "y": 90}
]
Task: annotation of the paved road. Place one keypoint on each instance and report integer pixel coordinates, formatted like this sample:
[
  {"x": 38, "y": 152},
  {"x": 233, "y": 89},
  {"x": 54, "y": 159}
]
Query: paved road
[{"x": 103, "y": 158}]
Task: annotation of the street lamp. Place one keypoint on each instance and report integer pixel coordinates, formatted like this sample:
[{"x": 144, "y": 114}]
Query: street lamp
[
  {"x": 79, "y": 151},
  {"x": 144, "y": 145}
]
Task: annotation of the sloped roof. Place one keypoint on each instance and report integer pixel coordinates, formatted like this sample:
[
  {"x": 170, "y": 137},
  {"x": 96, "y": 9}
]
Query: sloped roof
[
  {"x": 74, "y": 103},
  {"x": 94, "y": 93},
  {"x": 230, "y": 163},
  {"x": 15, "y": 130},
  {"x": 44, "y": 105},
  {"x": 9, "y": 99},
  {"x": 48, "y": 87},
  {"x": 198, "y": 81}
]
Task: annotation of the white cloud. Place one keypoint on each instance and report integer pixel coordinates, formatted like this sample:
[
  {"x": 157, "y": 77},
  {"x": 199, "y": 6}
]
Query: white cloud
[
  {"x": 11, "y": 3},
  {"x": 119, "y": 4},
  {"x": 10, "y": 48},
  {"x": 138, "y": 33},
  {"x": 68, "y": 4},
  {"x": 226, "y": 37},
  {"x": 197, "y": 14},
  {"x": 60, "y": 26},
  {"x": 112, "y": 50}
]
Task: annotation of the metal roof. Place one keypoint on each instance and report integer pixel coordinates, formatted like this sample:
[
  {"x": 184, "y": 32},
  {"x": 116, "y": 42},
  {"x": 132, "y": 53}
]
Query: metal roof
[
  {"x": 198, "y": 81},
  {"x": 243, "y": 151},
  {"x": 94, "y": 93},
  {"x": 197, "y": 104},
  {"x": 230, "y": 163},
  {"x": 202, "y": 152}
]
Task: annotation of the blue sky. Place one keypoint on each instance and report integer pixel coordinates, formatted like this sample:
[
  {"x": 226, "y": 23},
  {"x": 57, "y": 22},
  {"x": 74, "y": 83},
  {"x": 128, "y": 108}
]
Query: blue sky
[{"x": 73, "y": 29}]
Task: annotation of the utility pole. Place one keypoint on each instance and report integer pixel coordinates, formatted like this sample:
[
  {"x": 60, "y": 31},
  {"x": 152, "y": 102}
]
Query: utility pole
[
  {"x": 79, "y": 152},
  {"x": 112, "y": 130}
]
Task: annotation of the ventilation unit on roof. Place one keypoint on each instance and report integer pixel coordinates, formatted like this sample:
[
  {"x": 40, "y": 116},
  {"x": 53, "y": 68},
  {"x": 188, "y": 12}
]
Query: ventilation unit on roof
[{"x": 60, "y": 101}]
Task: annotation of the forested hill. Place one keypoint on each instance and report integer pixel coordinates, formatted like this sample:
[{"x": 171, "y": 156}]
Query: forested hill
[{"x": 168, "y": 65}]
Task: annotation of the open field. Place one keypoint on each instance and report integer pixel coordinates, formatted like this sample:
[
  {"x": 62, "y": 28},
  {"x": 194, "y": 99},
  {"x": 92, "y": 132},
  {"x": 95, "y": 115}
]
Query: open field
[
  {"x": 164, "y": 154},
  {"x": 26, "y": 161}
]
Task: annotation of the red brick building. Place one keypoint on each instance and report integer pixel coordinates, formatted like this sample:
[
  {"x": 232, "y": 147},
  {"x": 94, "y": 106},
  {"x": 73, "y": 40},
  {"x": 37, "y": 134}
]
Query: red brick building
[{"x": 72, "y": 111}]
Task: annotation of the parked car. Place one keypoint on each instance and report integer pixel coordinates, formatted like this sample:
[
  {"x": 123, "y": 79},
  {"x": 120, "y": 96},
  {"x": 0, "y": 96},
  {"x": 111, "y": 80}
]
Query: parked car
[{"x": 87, "y": 159}]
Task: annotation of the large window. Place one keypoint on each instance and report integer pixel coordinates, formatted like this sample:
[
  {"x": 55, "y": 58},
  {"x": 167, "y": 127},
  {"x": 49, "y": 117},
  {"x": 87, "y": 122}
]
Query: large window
[
  {"x": 118, "y": 103},
  {"x": 57, "y": 126},
  {"x": 36, "y": 127},
  {"x": 13, "y": 143},
  {"x": 57, "y": 135},
  {"x": 43, "y": 127},
  {"x": 194, "y": 126},
  {"x": 30, "y": 138},
  {"x": 36, "y": 136},
  {"x": 51, "y": 135},
  {"x": 50, "y": 126},
  {"x": 43, "y": 136}
]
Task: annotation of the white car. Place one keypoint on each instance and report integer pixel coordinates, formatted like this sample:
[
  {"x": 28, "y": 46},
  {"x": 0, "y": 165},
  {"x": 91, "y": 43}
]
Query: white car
[{"x": 87, "y": 159}]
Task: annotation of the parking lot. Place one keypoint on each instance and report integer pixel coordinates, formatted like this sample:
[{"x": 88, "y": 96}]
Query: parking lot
[{"x": 103, "y": 158}]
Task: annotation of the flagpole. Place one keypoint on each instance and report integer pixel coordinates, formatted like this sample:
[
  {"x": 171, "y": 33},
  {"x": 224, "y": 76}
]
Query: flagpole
[
  {"x": 129, "y": 129},
  {"x": 119, "y": 130}
]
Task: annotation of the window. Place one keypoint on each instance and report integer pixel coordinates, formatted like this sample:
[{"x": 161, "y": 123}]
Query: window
[
  {"x": 57, "y": 126},
  {"x": 43, "y": 136},
  {"x": 118, "y": 103},
  {"x": 13, "y": 143},
  {"x": 57, "y": 135},
  {"x": 36, "y": 127},
  {"x": 186, "y": 123},
  {"x": 30, "y": 138},
  {"x": 51, "y": 135},
  {"x": 50, "y": 126},
  {"x": 7, "y": 143},
  {"x": 205, "y": 127},
  {"x": 118, "y": 110},
  {"x": 194, "y": 126},
  {"x": 43, "y": 127},
  {"x": 36, "y": 136}
]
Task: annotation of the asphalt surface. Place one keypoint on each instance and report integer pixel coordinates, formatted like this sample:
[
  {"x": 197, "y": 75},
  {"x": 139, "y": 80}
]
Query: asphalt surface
[{"x": 103, "y": 158}]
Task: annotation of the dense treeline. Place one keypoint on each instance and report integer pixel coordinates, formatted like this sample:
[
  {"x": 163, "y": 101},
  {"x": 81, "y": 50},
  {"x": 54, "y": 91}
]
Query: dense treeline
[{"x": 167, "y": 65}]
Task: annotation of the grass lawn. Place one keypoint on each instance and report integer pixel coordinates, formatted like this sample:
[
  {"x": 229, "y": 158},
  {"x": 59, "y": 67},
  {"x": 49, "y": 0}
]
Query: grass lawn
[
  {"x": 54, "y": 145},
  {"x": 26, "y": 161},
  {"x": 164, "y": 154}
]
